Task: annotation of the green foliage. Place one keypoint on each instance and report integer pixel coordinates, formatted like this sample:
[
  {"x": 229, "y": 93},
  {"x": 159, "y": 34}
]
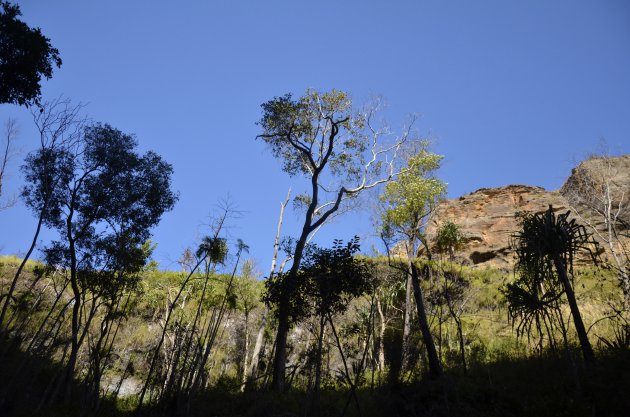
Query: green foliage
[
  {"x": 493, "y": 352},
  {"x": 214, "y": 248},
  {"x": 247, "y": 289},
  {"x": 110, "y": 195},
  {"x": 411, "y": 197},
  {"x": 296, "y": 129},
  {"x": 448, "y": 238},
  {"x": 334, "y": 277},
  {"x": 25, "y": 57},
  {"x": 328, "y": 280}
]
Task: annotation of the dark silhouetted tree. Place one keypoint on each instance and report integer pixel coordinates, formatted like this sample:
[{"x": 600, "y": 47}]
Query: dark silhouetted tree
[
  {"x": 546, "y": 243},
  {"x": 59, "y": 126},
  {"x": 25, "y": 57},
  {"x": 329, "y": 280},
  {"x": 103, "y": 203}
]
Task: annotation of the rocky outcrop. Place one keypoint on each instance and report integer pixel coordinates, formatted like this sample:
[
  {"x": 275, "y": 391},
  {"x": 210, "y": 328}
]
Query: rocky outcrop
[{"x": 487, "y": 217}]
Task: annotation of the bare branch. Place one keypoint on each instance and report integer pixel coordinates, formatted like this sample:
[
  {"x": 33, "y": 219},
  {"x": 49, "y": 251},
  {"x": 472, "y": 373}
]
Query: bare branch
[{"x": 8, "y": 152}]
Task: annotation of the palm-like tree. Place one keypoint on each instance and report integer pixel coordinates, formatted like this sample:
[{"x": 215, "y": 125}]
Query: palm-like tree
[{"x": 546, "y": 243}]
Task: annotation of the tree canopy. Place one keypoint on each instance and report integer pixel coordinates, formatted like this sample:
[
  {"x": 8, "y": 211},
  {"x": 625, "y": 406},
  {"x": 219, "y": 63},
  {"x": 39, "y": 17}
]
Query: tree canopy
[
  {"x": 25, "y": 57},
  {"x": 410, "y": 199}
]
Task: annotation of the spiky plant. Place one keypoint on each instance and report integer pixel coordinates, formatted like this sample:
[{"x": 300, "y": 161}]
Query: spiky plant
[
  {"x": 531, "y": 306},
  {"x": 548, "y": 243}
]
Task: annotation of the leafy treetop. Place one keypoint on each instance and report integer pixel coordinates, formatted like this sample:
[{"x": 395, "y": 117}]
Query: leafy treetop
[
  {"x": 411, "y": 197},
  {"x": 25, "y": 57}
]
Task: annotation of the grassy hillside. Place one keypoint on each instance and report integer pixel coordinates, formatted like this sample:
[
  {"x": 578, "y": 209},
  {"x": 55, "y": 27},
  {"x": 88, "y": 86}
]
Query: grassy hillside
[{"x": 507, "y": 374}]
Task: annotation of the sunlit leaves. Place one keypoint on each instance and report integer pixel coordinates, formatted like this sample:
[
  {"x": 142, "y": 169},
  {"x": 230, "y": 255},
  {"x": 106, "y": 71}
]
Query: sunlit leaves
[
  {"x": 299, "y": 132},
  {"x": 410, "y": 197},
  {"x": 214, "y": 248},
  {"x": 448, "y": 237}
]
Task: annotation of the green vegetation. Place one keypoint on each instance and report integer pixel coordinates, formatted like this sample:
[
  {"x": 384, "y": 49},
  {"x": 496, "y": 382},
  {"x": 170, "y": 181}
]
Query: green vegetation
[
  {"x": 501, "y": 364},
  {"x": 96, "y": 329}
]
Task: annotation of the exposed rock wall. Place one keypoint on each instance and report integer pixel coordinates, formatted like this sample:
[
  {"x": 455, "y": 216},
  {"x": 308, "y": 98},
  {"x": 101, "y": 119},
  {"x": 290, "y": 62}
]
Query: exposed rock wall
[{"x": 487, "y": 216}]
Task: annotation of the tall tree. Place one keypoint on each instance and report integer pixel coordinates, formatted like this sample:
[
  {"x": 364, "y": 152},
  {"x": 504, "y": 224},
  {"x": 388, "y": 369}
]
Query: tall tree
[
  {"x": 341, "y": 153},
  {"x": 60, "y": 126},
  {"x": 247, "y": 291},
  {"x": 103, "y": 204},
  {"x": 25, "y": 57},
  {"x": 407, "y": 204}
]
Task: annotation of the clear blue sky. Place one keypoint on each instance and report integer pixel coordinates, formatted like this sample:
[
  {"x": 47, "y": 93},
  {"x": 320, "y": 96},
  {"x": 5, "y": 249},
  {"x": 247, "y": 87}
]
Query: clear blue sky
[{"x": 512, "y": 92}]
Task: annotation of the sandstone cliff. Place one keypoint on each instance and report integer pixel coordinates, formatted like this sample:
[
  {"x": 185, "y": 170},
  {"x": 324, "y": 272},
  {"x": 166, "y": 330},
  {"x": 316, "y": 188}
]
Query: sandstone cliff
[{"x": 487, "y": 216}]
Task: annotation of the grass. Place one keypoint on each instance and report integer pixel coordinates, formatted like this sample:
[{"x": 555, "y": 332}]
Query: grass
[{"x": 503, "y": 380}]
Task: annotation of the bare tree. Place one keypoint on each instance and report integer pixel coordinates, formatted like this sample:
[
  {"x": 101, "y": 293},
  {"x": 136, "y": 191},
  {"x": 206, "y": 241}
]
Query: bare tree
[
  {"x": 599, "y": 194},
  {"x": 253, "y": 371},
  {"x": 8, "y": 152}
]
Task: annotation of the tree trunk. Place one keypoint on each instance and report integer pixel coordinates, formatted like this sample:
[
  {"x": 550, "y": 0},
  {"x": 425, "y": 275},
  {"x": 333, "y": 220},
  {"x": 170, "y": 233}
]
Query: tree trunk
[
  {"x": 253, "y": 371},
  {"x": 462, "y": 351},
  {"x": 381, "y": 336},
  {"x": 587, "y": 350},
  {"x": 245, "y": 353},
  {"x": 76, "y": 310},
  {"x": 410, "y": 246},
  {"x": 458, "y": 323},
  {"x": 435, "y": 368},
  {"x": 261, "y": 330},
  {"x": 407, "y": 323},
  {"x": 289, "y": 286},
  {"x": 19, "y": 270},
  {"x": 280, "y": 357},
  {"x": 318, "y": 366}
]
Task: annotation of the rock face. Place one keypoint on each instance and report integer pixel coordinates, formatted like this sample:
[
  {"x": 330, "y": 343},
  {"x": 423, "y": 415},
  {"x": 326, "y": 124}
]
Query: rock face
[{"x": 487, "y": 216}]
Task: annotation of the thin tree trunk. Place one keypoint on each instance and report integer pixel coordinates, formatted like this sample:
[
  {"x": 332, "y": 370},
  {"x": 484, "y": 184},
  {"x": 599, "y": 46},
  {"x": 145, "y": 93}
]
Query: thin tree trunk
[
  {"x": 195, "y": 382},
  {"x": 76, "y": 310},
  {"x": 345, "y": 365},
  {"x": 381, "y": 336},
  {"x": 253, "y": 371},
  {"x": 318, "y": 365},
  {"x": 435, "y": 368},
  {"x": 245, "y": 353},
  {"x": 263, "y": 322},
  {"x": 9, "y": 294},
  {"x": 156, "y": 351},
  {"x": 587, "y": 350},
  {"x": 458, "y": 324},
  {"x": 407, "y": 323}
]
